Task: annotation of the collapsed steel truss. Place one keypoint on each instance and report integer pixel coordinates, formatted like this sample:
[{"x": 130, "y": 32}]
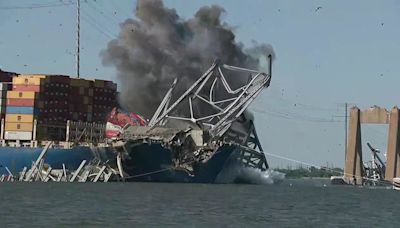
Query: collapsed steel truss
[
  {"x": 251, "y": 154},
  {"x": 215, "y": 116},
  {"x": 225, "y": 110}
]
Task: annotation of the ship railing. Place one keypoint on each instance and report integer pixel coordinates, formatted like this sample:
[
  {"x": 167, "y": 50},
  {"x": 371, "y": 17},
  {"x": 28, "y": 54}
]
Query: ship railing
[{"x": 64, "y": 135}]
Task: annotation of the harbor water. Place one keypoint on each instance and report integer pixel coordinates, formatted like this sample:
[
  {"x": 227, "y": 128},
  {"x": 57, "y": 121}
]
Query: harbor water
[{"x": 291, "y": 203}]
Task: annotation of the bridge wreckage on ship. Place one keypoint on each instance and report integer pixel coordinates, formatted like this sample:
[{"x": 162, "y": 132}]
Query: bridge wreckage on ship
[{"x": 192, "y": 137}]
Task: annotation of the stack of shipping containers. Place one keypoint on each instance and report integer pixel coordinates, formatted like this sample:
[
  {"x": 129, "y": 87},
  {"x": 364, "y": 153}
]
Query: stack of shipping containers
[
  {"x": 54, "y": 99},
  {"x": 81, "y": 109},
  {"x": 4, "y": 87},
  {"x": 51, "y": 101},
  {"x": 53, "y": 107},
  {"x": 104, "y": 99},
  {"x": 22, "y": 106}
]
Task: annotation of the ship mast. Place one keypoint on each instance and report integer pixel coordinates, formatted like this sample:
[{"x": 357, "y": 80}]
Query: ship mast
[{"x": 78, "y": 20}]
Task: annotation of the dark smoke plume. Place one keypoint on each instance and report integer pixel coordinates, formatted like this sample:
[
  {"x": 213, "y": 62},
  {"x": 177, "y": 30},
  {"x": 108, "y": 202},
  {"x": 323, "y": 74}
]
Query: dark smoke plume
[{"x": 159, "y": 46}]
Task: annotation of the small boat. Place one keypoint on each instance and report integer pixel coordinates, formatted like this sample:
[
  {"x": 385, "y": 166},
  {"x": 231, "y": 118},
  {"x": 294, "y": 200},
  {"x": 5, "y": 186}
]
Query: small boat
[{"x": 396, "y": 183}]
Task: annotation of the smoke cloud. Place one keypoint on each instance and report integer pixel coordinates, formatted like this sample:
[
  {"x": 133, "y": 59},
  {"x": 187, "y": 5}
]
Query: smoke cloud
[{"x": 158, "y": 46}]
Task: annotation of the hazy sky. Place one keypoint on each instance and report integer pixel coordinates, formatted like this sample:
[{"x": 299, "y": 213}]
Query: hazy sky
[{"x": 328, "y": 53}]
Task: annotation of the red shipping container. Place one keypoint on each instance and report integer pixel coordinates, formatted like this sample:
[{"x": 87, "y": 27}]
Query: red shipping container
[
  {"x": 21, "y": 102},
  {"x": 35, "y": 88}
]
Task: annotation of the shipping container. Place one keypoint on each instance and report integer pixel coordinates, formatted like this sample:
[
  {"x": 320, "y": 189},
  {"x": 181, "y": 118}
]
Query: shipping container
[
  {"x": 19, "y": 118},
  {"x": 21, "y": 102},
  {"x": 53, "y": 116},
  {"x": 76, "y": 92},
  {"x": 110, "y": 85},
  {"x": 6, "y": 76},
  {"x": 104, "y": 101},
  {"x": 54, "y": 95},
  {"x": 10, "y": 126},
  {"x": 106, "y": 91},
  {"x": 54, "y": 108},
  {"x": 87, "y": 100},
  {"x": 33, "y": 75},
  {"x": 22, "y": 94},
  {"x": 34, "y": 88},
  {"x": 21, "y": 110},
  {"x": 80, "y": 108},
  {"x": 58, "y": 116},
  {"x": 29, "y": 80},
  {"x": 56, "y": 87},
  {"x": 17, "y": 135},
  {"x": 60, "y": 79},
  {"x": 99, "y": 83},
  {"x": 80, "y": 82}
]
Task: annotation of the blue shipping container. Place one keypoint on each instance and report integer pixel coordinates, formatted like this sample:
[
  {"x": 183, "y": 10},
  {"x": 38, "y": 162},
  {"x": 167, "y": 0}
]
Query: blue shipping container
[{"x": 21, "y": 110}]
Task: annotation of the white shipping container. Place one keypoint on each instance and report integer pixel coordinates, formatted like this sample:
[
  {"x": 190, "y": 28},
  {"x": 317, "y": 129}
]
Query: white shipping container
[{"x": 18, "y": 135}]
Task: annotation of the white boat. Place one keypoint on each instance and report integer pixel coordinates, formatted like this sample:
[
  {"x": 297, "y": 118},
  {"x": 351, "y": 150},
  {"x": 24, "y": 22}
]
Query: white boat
[{"x": 396, "y": 183}]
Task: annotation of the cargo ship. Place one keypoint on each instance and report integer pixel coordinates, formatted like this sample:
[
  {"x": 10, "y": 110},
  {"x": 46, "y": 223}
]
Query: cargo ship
[
  {"x": 173, "y": 146},
  {"x": 36, "y": 108}
]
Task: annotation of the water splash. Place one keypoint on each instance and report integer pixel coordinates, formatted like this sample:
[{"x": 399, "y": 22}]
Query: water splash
[{"x": 237, "y": 173}]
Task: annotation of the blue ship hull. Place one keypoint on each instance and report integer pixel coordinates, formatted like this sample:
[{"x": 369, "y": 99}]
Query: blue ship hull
[
  {"x": 16, "y": 158},
  {"x": 153, "y": 163},
  {"x": 147, "y": 163}
]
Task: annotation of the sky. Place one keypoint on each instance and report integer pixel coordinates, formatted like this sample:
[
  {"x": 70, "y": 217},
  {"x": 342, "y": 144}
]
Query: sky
[{"x": 328, "y": 53}]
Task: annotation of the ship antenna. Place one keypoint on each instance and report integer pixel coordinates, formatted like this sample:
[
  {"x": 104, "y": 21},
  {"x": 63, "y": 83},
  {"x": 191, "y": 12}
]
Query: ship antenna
[{"x": 78, "y": 20}]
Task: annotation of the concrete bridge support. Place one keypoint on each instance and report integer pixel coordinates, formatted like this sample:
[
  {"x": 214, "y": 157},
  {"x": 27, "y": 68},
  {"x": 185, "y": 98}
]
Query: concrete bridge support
[
  {"x": 393, "y": 151},
  {"x": 354, "y": 166}
]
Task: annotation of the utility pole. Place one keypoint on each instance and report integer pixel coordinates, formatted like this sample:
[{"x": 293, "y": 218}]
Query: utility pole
[
  {"x": 346, "y": 107},
  {"x": 78, "y": 20},
  {"x": 345, "y": 129}
]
